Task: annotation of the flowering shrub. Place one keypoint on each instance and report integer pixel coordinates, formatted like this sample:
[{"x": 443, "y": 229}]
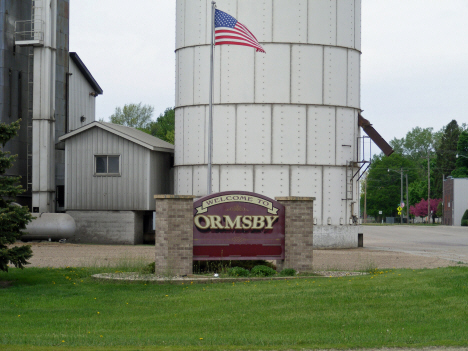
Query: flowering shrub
[{"x": 420, "y": 209}]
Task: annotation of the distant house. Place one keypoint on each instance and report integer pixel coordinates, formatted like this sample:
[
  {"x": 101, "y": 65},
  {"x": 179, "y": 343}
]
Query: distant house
[
  {"x": 455, "y": 200},
  {"x": 112, "y": 173}
]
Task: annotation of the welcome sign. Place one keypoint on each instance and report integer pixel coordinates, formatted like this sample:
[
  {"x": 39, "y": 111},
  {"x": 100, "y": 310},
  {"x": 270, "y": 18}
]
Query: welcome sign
[{"x": 238, "y": 225}]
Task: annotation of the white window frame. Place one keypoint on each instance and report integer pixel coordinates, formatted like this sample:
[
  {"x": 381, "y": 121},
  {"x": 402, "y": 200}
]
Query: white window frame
[{"x": 107, "y": 174}]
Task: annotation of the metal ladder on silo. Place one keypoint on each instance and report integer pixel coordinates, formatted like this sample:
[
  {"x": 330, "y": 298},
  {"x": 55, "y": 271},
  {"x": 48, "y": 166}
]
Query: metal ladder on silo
[
  {"x": 30, "y": 116},
  {"x": 349, "y": 180}
]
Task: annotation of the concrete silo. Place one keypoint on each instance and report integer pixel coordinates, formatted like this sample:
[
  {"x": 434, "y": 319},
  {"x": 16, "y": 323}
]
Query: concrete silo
[{"x": 286, "y": 122}]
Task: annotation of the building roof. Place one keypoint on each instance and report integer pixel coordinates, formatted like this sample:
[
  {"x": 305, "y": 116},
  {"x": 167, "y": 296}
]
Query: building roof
[
  {"x": 134, "y": 135},
  {"x": 86, "y": 73}
]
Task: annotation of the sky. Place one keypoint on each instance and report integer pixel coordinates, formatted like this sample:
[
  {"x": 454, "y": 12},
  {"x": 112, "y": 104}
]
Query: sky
[{"x": 414, "y": 64}]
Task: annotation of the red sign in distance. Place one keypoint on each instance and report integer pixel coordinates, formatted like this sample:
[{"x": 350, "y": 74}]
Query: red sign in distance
[{"x": 238, "y": 225}]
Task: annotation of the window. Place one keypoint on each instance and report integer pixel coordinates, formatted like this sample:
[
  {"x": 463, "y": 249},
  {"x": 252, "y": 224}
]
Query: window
[{"x": 107, "y": 165}]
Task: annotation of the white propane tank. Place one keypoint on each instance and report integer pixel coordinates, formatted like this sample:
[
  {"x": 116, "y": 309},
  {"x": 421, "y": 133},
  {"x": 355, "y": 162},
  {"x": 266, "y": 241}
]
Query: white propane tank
[{"x": 54, "y": 226}]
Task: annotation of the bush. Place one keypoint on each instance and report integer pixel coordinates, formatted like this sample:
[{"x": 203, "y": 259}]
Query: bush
[
  {"x": 465, "y": 215},
  {"x": 464, "y": 220},
  {"x": 262, "y": 271},
  {"x": 287, "y": 272},
  {"x": 238, "y": 272}
]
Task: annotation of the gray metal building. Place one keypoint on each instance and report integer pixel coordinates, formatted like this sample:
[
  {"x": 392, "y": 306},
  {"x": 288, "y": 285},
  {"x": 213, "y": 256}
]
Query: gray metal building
[{"x": 112, "y": 173}]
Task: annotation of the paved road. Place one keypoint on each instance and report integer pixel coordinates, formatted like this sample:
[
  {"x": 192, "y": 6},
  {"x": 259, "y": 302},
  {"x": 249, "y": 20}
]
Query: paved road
[{"x": 450, "y": 243}]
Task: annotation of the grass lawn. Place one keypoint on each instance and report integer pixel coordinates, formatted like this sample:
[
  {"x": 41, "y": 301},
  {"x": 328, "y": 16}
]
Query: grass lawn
[{"x": 44, "y": 309}]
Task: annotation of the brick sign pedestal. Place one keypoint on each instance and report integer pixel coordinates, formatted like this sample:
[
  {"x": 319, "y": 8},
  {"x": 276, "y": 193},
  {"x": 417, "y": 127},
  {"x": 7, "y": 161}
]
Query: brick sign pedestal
[
  {"x": 174, "y": 235},
  {"x": 299, "y": 233}
]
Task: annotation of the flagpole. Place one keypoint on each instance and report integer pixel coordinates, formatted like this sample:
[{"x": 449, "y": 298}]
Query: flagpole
[{"x": 210, "y": 119}]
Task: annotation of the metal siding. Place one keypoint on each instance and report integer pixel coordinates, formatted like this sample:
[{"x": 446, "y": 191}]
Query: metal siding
[
  {"x": 253, "y": 142},
  {"x": 307, "y": 74},
  {"x": 335, "y": 190},
  {"x": 307, "y": 181},
  {"x": 357, "y": 25},
  {"x": 202, "y": 75},
  {"x": 179, "y": 136},
  {"x": 322, "y": 22},
  {"x": 289, "y": 134},
  {"x": 237, "y": 74},
  {"x": 460, "y": 191},
  {"x": 335, "y": 76},
  {"x": 185, "y": 76},
  {"x": 87, "y": 192},
  {"x": 215, "y": 186},
  {"x": 236, "y": 178},
  {"x": 272, "y": 181},
  {"x": 177, "y": 79},
  {"x": 290, "y": 21},
  {"x": 194, "y": 135},
  {"x": 321, "y": 135},
  {"x": 354, "y": 78},
  {"x": 184, "y": 180},
  {"x": 224, "y": 137},
  {"x": 272, "y": 74},
  {"x": 200, "y": 180},
  {"x": 180, "y": 23},
  {"x": 80, "y": 102},
  {"x": 258, "y": 17},
  {"x": 345, "y": 21},
  {"x": 345, "y": 122},
  {"x": 195, "y": 22}
]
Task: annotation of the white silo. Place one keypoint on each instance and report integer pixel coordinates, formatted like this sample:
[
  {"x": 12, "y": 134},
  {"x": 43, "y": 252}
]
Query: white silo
[{"x": 285, "y": 122}]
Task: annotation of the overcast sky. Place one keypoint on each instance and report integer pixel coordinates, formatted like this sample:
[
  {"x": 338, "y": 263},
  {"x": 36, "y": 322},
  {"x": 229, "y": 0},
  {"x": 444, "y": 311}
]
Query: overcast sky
[{"x": 414, "y": 61}]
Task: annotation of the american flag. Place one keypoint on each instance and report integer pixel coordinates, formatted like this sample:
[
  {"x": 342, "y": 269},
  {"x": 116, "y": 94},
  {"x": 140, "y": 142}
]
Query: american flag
[{"x": 229, "y": 31}]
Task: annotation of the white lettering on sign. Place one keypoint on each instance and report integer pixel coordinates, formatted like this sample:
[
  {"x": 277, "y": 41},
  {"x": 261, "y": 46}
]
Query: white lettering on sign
[
  {"x": 237, "y": 198},
  {"x": 240, "y": 222}
]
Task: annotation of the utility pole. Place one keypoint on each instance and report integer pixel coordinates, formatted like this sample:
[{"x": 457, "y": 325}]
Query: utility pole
[
  {"x": 428, "y": 189},
  {"x": 401, "y": 197},
  {"x": 407, "y": 200}
]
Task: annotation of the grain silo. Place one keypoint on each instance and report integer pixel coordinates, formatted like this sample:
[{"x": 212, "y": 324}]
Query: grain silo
[{"x": 285, "y": 122}]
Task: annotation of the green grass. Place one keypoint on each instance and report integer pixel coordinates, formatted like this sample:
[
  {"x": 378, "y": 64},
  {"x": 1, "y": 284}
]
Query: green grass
[{"x": 44, "y": 309}]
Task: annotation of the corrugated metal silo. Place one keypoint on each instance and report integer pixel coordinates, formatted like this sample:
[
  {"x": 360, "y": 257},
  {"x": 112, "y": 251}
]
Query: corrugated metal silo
[{"x": 285, "y": 122}]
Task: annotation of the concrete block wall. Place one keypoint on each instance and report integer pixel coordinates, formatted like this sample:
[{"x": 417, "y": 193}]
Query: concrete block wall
[
  {"x": 174, "y": 235},
  {"x": 108, "y": 227},
  {"x": 299, "y": 233}
]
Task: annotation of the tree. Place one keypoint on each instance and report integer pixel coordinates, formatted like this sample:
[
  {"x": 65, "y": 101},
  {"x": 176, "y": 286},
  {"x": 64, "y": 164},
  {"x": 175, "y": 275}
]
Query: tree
[
  {"x": 461, "y": 170},
  {"x": 13, "y": 218},
  {"x": 163, "y": 127},
  {"x": 420, "y": 209},
  {"x": 384, "y": 187},
  {"x": 133, "y": 115},
  {"x": 419, "y": 143},
  {"x": 445, "y": 156}
]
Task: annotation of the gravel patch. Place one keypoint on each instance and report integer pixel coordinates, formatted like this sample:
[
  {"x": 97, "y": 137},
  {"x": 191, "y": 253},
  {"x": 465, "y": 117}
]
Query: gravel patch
[{"x": 52, "y": 254}]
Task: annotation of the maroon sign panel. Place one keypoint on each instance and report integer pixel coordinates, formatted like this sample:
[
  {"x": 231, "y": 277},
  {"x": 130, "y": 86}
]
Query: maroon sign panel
[{"x": 238, "y": 225}]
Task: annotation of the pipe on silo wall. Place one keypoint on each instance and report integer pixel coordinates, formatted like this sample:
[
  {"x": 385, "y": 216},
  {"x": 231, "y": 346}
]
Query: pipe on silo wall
[
  {"x": 285, "y": 122},
  {"x": 53, "y": 226}
]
